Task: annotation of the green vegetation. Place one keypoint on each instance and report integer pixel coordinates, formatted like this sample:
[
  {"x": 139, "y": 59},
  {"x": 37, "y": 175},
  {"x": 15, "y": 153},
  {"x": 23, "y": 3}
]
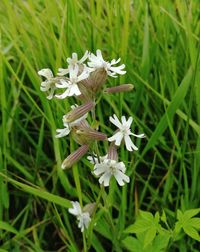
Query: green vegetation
[{"x": 159, "y": 43}]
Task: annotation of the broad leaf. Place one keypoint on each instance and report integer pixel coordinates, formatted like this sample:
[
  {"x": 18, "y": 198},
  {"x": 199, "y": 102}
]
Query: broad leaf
[{"x": 190, "y": 225}]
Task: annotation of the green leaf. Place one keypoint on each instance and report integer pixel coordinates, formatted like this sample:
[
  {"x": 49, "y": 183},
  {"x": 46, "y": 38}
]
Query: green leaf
[
  {"x": 179, "y": 214},
  {"x": 39, "y": 192},
  {"x": 161, "y": 241},
  {"x": 190, "y": 213},
  {"x": 132, "y": 244},
  {"x": 150, "y": 235},
  {"x": 163, "y": 217},
  {"x": 146, "y": 215},
  {"x": 190, "y": 225},
  {"x": 159, "y": 244},
  {"x": 195, "y": 222},
  {"x": 192, "y": 232},
  {"x": 7, "y": 227},
  {"x": 139, "y": 226}
]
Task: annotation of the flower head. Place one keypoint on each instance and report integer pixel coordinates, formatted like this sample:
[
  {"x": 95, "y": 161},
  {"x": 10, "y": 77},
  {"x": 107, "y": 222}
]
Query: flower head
[
  {"x": 71, "y": 84},
  {"x": 49, "y": 84},
  {"x": 124, "y": 132},
  {"x": 72, "y": 62},
  {"x": 108, "y": 168},
  {"x": 82, "y": 217},
  {"x": 97, "y": 61},
  {"x": 74, "y": 59}
]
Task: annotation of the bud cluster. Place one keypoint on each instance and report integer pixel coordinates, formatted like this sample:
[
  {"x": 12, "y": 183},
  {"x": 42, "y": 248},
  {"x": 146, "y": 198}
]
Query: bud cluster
[{"x": 84, "y": 79}]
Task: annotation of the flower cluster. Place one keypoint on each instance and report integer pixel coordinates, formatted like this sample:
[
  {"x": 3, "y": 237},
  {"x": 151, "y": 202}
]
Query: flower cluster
[
  {"x": 84, "y": 79},
  {"x": 83, "y": 217}
]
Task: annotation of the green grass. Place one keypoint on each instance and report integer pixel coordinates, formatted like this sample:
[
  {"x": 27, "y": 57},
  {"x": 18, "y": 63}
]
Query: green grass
[{"x": 159, "y": 43}]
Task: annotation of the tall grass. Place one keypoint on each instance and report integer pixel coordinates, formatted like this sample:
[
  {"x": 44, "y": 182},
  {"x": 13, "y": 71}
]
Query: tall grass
[{"x": 159, "y": 43}]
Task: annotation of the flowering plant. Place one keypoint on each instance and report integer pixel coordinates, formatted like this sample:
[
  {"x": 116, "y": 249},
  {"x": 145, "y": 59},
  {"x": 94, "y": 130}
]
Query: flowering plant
[{"x": 84, "y": 81}]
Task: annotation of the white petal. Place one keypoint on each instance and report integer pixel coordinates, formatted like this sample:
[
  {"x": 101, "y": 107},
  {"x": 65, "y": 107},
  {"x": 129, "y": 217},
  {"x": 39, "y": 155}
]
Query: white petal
[
  {"x": 74, "y": 90},
  {"x": 117, "y": 137},
  {"x": 123, "y": 118},
  {"x": 92, "y": 159},
  {"x": 99, "y": 54},
  {"x": 46, "y": 72},
  {"x": 62, "y": 84},
  {"x": 84, "y": 75},
  {"x": 76, "y": 210},
  {"x": 139, "y": 136},
  {"x": 62, "y": 71},
  {"x": 64, "y": 95},
  {"x": 75, "y": 56},
  {"x": 115, "y": 121},
  {"x": 105, "y": 178},
  {"x": 100, "y": 168},
  {"x": 84, "y": 221},
  {"x": 120, "y": 166},
  {"x": 62, "y": 132},
  {"x": 114, "y": 61},
  {"x": 45, "y": 86},
  {"x": 85, "y": 56},
  {"x": 50, "y": 96},
  {"x": 73, "y": 71},
  {"x": 129, "y": 122},
  {"x": 129, "y": 144},
  {"x": 121, "y": 177}
]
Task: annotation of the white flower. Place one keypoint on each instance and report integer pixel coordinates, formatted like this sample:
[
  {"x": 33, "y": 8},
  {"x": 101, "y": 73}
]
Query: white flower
[
  {"x": 82, "y": 217},
  {"x": 49, "y": 84},
  {"x": 63, "y": 132},
  {"x": 74, "y": 59},
  {"x": 109, "y": 168},
  {"x": 71, "y": 84},
  {"x": 124, "y": 132},
  {"x": 67, "y": 125},
  {"x": 97, "y": 61},
  {"x": 72, "y": 62}
]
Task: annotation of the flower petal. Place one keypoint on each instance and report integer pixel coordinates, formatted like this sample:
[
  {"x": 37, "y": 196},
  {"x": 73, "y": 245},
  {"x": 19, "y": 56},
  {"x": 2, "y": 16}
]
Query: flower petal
[
  {"x": 117, "y": 137},
  {"x": 46, "y": 72},
  {"x": 129, "y": 144}
]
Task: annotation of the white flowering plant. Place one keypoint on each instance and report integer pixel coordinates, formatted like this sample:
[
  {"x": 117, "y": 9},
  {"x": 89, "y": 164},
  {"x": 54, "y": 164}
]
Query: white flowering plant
[{"x": 85, "y": 79}]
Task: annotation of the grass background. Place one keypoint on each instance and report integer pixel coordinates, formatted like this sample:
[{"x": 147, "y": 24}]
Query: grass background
[{"x": 159, "y": 43}]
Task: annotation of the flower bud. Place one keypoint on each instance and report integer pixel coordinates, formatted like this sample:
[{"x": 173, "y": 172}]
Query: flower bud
[
  {"x": 112, "y": 152},
  {"x": 90, "y": 86},
  {"x": 78, "y": 112},
  {"x": 120, "y": 88},
  {"x": 91, "y": 135},
  {"x": 89, "y": 208},
  {"x": 75, "y": 156}
]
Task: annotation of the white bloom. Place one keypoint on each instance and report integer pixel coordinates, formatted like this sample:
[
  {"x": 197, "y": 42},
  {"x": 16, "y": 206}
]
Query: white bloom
[
  {"x": 82, "y": 217},
  {"x": 72, "y": 62},
  {"x": 124, "y": 132},
  {"x": 97, "y": 61},
  {"x": 74, "y": 59},
  {"x": 71, "y": 84},
  {"x": 109, "y": 168},
  {"x": 63, "y": 132},
  {"x": 49, "y": 84},
  {"x": 67, "y": 125}
]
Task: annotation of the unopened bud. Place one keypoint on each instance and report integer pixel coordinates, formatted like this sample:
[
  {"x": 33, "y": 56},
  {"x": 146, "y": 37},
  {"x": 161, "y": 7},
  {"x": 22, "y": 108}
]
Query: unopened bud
[
  {"x": 91, "y": 135},
  {"x": 112, "y": 152},
  {"x": 75, "y": 156},
  {"x": 89, "y": 208},
  {"x": 79, "y": 112},
  {"x": 120, "y": 88},
  {"x": 90, "y": 86}
]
